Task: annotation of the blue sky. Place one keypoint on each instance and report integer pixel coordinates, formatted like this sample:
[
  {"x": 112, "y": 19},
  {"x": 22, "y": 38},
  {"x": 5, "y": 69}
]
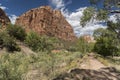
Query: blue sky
[
  {"x": 18, "y": 7},
  {"x": 71, "y": 9}
]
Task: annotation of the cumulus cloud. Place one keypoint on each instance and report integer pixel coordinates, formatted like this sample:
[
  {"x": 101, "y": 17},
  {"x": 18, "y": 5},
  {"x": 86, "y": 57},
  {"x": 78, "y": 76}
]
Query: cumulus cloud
[
  {"x": 74, "y": 18},
  {"x": 114, "y": 17},
  {"x": 89, "y": 29},
  {"x": 57, "y": 3},
  {"x": 3, "y": 7},
  {"x": 12, "y": 18}
]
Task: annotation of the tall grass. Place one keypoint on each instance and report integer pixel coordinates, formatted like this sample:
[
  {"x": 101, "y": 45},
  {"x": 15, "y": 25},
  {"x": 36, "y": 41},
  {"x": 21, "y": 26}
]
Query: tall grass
[{"x": 42, "y": 66}]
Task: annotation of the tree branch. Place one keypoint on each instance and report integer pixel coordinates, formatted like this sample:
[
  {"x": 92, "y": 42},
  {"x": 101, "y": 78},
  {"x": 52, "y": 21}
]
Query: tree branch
[{"x": 115, "y": 11}]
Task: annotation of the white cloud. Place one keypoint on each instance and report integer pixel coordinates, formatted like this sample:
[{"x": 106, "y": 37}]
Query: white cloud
[
  {"x": 12, "y": 18},
  {"x": 61, "y": 5},
  {"x": 89, "y": 29},
  {"x": 114, "y": 17},
  {"x": 57, "y": 3},
  {"x": 3, "y": 7},
  {"x": 74, "y": 18}
]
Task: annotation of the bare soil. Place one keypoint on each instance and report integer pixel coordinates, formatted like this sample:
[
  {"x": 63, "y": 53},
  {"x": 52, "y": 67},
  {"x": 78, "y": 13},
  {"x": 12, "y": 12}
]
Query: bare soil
[{"x": 92, "y": 63}]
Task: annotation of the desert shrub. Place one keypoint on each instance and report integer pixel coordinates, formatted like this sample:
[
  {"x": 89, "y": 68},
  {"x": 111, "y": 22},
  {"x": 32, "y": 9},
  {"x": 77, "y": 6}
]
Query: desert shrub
[
  {"x": 105, "y": 47},
  {"x": 53, "y": 64},
  {"x": 107, "y": 43},
  {"x": 68, "y": 45},
  {"x": 8, "y": 42},
  {"x": 38, "y": 43},
  {"x": 91, "y": 47},
  {"x": 55, "y": 42},
  {"x": 83, "y": 46},
  {"x": 2, "y": 34},
  {"x": 108, "y": 40},
  {"x": 18, "y": 66},
  {"x": 72, "y": 48},
  {"x": 16, "y": 31},
  {"x": 32, "y": 40},
  {"x": 13, "y": 66}
]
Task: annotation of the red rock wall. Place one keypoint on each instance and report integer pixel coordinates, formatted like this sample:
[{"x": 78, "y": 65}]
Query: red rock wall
[
  {"x": 46, "y": 21},
  {"x": 4, "y": 20}
]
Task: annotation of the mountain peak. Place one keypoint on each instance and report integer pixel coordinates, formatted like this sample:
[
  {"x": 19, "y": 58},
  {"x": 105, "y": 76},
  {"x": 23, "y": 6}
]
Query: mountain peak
[{"x": 46, "y": 21}]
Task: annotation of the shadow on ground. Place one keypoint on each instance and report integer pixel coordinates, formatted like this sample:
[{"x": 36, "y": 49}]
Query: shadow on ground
[{"x": 108, "y": 73}]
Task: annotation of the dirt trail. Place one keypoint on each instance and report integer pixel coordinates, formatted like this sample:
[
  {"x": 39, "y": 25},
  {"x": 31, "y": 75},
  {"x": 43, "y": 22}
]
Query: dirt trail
[
  {"x": 91, "y": 63},
  {"x": 90, "y": 69},
  {"x": 25, "y": 49}
]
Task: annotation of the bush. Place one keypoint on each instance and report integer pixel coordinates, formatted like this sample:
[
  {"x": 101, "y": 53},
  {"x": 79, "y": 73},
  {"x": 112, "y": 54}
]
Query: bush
[
  {"x": 108, "y": 40},
  {"x": 2, "y": 35},
  {"x": 105, "y": 47},
  {"x": 38, "y": 43},
  {"x": 18, "y": 66},
  {"x": 16, "y": 31},
  {"x": 13, "y": 66},
  {"x": 83, "y": 46},
  {"x": 72, "y": 49},
  {"x": 8, "y": 42},
  {"x": 68, "y": 45}
]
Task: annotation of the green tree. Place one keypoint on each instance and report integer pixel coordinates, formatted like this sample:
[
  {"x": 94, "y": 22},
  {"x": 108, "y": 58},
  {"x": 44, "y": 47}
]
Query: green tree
[
  {"x": 102, "y": 14},
  {"x": 8, "y": 42},
  {"x": 38, "y": 43},
  {"x": 88, "y": 14},
  {"x": 107, "y": 4},
  {"x": 83, "y": 46},
  {"x": 108, "y": 40},
  {"x": 114, "y": 27},
  {"x": 107, "y": 43},
  {"x": 33, "y": 41},
  {"x": 16, "y": 31},
  {"x": 98, "y": 32}
]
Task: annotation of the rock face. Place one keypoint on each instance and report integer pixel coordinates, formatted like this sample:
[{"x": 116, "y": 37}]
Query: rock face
[
  {"x": 4, "y": 20},
  {"x": 108, "y": 73},
  {"x": 89, "y": 39},
  {"x": 46, "y": 21}
]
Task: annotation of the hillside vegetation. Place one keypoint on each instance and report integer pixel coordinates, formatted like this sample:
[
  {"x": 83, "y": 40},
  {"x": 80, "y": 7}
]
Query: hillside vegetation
[
  {"x": 49, "y": 56},
  {"x": 27, "y": 55}
]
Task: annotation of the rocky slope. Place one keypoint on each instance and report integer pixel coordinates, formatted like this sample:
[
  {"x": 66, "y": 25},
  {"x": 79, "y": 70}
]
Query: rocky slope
[
  {"x": 4, "y": 20},
  {"x": 90, "y": 69},
  {"x": 108, "y": 73},
  {"x": 46, "y": 21}
]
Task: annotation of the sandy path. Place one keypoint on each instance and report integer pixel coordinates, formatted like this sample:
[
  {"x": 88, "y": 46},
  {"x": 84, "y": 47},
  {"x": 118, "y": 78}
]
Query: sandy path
[{"x": 91, "y": 63}]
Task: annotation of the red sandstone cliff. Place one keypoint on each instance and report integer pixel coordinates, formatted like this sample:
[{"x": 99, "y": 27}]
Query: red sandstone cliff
[
  {"x": 45, "y": 20},
  {"x": 4, "y": 20}
]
